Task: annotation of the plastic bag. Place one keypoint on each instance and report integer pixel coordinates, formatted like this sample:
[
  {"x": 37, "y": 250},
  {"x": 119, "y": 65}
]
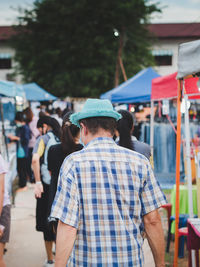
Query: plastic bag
[{"x": 20, "y": 152}]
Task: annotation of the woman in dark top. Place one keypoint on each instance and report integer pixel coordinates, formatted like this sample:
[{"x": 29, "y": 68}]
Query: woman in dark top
[
  {"x": 50, "y": 131},
  {"x": 57, "y": 153},
  {"x": 125, "y": 129}
]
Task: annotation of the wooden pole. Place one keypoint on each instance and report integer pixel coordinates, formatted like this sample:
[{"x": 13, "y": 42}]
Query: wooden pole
[
  {"x": 121, "y": 43},
  {"x": 178, "y": 153},
  {"x": 122, "y": 69}
]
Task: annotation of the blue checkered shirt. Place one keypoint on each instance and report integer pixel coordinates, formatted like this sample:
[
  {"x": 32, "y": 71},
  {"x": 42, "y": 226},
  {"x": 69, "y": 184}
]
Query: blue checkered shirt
[{"x": 104, "y": 190}]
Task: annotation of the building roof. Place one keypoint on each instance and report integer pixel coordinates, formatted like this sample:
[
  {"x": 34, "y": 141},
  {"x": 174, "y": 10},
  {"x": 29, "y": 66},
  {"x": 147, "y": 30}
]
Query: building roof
[
  {"x": 6, "y": 32},
  {"x": 164, "y": 30},
  {"x": 175, "y": 30}
]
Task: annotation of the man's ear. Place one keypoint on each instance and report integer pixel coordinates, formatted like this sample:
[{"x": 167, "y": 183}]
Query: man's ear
[{"x": 84, "y": 129}]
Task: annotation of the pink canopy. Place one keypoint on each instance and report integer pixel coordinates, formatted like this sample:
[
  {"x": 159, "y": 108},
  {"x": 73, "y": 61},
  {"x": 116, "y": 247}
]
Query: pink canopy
[{"x": 166, "y": 87}]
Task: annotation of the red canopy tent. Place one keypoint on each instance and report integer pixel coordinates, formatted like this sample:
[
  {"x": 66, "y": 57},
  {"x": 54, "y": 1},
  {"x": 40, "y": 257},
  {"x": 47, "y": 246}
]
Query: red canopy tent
[{"x": 166, "y": 87}]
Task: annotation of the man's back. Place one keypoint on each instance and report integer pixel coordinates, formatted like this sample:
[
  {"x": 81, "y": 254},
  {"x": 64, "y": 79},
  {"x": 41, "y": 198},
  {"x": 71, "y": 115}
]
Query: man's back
[{"x": 106, "y": 190}]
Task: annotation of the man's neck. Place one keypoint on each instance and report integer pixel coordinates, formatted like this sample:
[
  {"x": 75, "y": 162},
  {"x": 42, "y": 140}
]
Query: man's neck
[{"x": 100, "y": 133}]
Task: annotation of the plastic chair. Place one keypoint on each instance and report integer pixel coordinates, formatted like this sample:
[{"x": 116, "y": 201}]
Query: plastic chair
[
  {"x": 182, "y": 233},
  {"x": 168, "y": 208},
  {"x": 182, "y": 223}
]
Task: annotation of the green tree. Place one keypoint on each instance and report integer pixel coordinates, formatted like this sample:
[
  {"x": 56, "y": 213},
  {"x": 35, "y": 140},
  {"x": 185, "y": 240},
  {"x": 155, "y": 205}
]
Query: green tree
[{"x": 69, "y": 48}]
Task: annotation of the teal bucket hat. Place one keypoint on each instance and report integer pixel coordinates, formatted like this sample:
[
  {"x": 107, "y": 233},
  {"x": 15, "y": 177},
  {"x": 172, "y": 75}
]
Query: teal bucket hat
[{"x": 95, "y": 108}]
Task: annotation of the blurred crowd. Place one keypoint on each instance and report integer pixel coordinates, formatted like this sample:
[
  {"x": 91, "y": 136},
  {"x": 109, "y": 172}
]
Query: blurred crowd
[{"x": 42, "y": 144}]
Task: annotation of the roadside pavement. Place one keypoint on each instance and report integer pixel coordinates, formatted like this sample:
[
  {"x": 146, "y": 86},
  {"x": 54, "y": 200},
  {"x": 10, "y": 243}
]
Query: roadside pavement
[{"x": 26, "y": 245}]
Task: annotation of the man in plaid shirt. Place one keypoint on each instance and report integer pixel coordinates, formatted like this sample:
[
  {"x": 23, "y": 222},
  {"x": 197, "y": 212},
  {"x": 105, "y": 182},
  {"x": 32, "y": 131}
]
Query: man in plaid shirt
[{"x": 107, "y": 197}]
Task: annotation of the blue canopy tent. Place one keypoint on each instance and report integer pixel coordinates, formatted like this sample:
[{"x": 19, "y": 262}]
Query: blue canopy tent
[
  {"x": 11, "y": 89},
  {"x": 135, "y": 90},
  {"x": 35, "y": 93}
]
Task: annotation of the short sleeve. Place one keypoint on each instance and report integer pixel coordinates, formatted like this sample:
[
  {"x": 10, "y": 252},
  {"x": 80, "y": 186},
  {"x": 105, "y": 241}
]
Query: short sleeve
[
  {"x": 66, "y": 203},
  {"x": 152, "y": 196},
  {"x": 39, "y": 147}
]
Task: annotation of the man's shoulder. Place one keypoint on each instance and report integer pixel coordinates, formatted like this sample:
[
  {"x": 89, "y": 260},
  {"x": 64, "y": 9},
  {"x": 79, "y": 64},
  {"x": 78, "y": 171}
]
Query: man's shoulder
[
  {"x": 137, "y": 154},
  {"x": 74, "y": 156},
  {"x": 77, "y": 154}
]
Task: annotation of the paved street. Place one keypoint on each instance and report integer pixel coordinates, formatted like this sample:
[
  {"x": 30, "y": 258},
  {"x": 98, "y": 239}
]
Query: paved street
[{"x": 26, "y": 248}]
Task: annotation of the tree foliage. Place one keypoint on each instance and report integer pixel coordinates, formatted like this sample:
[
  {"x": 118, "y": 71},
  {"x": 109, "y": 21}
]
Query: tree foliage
[{"x": 69, "y": 48}]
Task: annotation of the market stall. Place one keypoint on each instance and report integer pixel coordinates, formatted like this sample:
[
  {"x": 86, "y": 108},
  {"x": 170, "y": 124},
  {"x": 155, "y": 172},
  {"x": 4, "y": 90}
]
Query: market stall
[
  {"x": 184, "y": 88},
  {"x": 9, "y": 90},
  {"x": 188, "y": 66},
  {"x": 165, "y": 87}
]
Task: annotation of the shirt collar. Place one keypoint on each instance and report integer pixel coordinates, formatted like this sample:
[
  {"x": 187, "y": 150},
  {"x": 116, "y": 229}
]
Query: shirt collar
[{"x": 100, "y": 140}]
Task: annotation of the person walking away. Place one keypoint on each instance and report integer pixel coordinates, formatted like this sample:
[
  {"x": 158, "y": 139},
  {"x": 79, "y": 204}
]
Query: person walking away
[
  {"x": 106, "y": 194},
  {"x": 57, "y": 114},
  {"x": 22, "y": 137},
  {"x": 49, "y": 129},
  {"x": 5, "y": 207},
  {"x": 125, "y": 128},
  {"x": 31, "y": 120},
  {"x": 69, "y": 143}
]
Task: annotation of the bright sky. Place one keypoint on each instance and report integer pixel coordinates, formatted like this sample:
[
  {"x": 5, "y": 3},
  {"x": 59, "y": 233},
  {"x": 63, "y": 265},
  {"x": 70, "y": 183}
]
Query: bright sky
[
  {"x": 9, "y": 12},
  {"x": 177, "y": 11},
  {"x": 173, "y": 10}
]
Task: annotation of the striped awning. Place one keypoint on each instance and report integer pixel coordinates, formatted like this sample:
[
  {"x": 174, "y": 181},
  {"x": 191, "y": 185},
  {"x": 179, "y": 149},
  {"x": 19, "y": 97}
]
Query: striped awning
[
  {"x": 162, "y": 53},
  {"x": 5, "y": 55}
]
